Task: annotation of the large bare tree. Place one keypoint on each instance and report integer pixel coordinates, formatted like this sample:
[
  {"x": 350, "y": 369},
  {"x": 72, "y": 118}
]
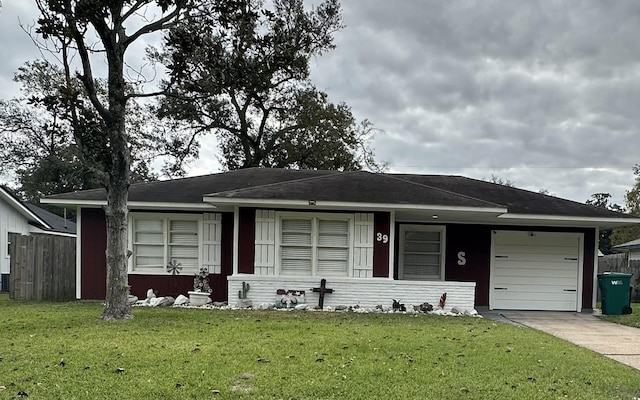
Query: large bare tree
[{"x": 102, "y": 32}]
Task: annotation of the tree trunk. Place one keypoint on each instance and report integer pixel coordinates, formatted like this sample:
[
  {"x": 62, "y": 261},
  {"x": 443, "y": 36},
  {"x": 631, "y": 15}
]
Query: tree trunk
[{"x": 117, "y": 304}]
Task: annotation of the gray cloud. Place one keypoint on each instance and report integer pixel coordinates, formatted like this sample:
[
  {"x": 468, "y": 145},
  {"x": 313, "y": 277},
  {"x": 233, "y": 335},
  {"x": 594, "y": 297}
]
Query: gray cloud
[{"x": 543, "y": 93}]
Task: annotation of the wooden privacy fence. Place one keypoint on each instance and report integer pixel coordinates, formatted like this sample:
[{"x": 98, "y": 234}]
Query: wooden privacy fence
[
  {"x": 42, "y": 267},
  {"x": 620, "y": 263}
]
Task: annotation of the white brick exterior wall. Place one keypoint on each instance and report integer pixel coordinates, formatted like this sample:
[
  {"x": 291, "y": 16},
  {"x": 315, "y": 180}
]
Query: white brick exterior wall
[{"x": 351, "y": 291}]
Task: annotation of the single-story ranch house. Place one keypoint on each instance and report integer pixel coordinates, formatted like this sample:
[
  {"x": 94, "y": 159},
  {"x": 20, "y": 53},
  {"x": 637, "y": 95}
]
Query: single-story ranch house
[{"x": 374, "y": 237}]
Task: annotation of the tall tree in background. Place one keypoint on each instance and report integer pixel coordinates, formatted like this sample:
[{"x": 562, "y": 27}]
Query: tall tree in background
[
  {"x": 603, "y": 200},
  {"x": 632, "y": 203},
  {"x": 240, "y": 69},
  {"x": 51, "y": 136},
  {"x": 101, "y": 32}
]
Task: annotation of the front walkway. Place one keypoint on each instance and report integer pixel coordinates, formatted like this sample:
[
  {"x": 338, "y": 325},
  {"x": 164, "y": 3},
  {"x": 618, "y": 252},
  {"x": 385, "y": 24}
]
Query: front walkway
[{"x": 619, "y": 342}]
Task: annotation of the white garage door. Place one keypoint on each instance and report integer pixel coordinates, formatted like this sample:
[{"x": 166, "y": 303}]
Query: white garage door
[{"x": 535, "y": 270}]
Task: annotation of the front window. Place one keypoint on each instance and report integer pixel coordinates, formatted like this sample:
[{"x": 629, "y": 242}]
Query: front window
[
  {"x": 314, "y": 245},
  {"x": 160, "y": 240},
  {"x": 421, "y": 252}
]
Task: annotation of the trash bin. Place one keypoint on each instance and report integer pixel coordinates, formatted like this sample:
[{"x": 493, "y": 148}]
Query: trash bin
[{"x": 616, "y": 293}]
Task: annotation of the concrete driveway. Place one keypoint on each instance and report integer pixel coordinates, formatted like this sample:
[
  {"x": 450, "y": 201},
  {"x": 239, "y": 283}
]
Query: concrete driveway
[{"x": 621, "y": 343}]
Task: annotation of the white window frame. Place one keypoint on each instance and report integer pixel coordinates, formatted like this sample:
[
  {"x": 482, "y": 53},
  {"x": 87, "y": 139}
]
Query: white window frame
[
  {"x": 8, "y": 245},
  {"x": 421, "y": 228},
  {"x": 315, "y": 217},
  {"x": 165, "y": 218}
]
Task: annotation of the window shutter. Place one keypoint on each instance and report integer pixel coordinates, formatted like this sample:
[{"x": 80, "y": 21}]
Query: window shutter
[{"x": 212, "y": 242}]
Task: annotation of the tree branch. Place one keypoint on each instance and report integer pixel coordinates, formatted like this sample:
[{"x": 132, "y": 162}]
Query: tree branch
[{"x": 161, "y": 24}]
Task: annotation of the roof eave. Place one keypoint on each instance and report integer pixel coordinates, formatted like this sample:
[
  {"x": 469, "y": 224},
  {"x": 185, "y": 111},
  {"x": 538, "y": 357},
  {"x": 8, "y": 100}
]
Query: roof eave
[
  {"x": 600, "y": 222},
  {"x": 144, "y": 205},
  {"x": 344, "y": 205},
  {"x": 23, "y": 210}
]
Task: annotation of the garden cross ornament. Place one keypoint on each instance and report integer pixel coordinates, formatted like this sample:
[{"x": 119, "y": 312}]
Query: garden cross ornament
[{"x": 322, "y": 290}]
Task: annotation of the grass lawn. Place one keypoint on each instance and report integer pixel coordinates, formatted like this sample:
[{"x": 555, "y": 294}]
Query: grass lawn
[
  {"x": 632, "y": 319},
  {"x": 62, "y": 351}
]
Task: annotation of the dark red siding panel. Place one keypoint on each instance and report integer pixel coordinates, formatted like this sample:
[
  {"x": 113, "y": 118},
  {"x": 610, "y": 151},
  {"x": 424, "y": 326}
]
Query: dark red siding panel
[
  {"x": 381, "y": 230},
  {"x": 219, "y": 281},
  {"x": 165, "y": 285},
  {"x": 589, "y": 265},
  {"x": 467, "y": 258},
  {"x": 246, "y": 240},
  {"x": 93, "y": 261}
]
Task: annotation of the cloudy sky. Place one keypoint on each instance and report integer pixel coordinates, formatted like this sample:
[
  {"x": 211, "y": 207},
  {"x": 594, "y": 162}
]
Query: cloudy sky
[{"x": 543, "y": 93}]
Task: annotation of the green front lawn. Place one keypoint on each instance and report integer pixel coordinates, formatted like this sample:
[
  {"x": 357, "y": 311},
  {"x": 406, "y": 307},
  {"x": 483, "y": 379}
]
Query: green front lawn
[
  {"x": 632, "y": 319},
  {"x": 62, "y": 351}
]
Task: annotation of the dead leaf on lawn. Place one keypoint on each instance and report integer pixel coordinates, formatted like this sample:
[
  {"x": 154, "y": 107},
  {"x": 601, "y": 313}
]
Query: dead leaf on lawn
[{"x": 242, "y": 389}]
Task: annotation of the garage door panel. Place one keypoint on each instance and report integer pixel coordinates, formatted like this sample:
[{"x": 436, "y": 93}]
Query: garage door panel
[
  {"x": 536, "y": 254},
  {"x": 532, "y": 281},
  {"x": 545, "y": 288},
  {"x": 511, "y": 295},
  {"x": 535, "y": 270},
  {"x": 542, "y": 304},
  {"x": 532, "y": 251},
  {"x": 540, "y": 239}
]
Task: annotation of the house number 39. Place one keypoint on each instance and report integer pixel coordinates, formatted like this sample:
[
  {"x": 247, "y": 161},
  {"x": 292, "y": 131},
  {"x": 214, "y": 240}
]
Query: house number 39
[{"x": 382, "y": 238}]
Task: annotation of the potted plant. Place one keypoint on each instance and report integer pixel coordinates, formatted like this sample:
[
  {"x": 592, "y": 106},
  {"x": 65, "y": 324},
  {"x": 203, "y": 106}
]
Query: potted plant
[{"x": 201, "y": 289}]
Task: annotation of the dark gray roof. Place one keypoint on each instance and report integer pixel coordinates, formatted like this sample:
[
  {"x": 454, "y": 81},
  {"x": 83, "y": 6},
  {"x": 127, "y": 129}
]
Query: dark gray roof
[
  {"x": 57, "y": 223},
  {"x": 516, "y": 200},
  {"x": 191, "y": 190},
  {"x": 37, "y": 216},
  {"x": 357, "y": 187}
]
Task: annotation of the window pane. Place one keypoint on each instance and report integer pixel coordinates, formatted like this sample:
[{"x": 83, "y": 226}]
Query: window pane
[
  {"x": 184, "y": 226},
  {"x": 333, "y": 233},
  {"x": 333, "y": 226},
  {"x": 183, "y": 243},
  {"x": 149, "y": 238},
  {"x": 148, "y": 225},
  {"x": 183, "y": 238},
  {"x": 149, "y": 256},
  {"x": 296, "y": 267},
  {"x": 421, "y": 254},
  {"x": 148, "y": 244},
  {"x": 296, "y": 260},
  {"x": 422, "y": 247},
  {"x": 333, "y": 261},
  {"x": 296, "y": 225},
  {"x": 423, "y": 236},
  {"x": 183, "y": 251},
  {"x": 333, "y": 254},
  {"x": 149, "y": 250},
  {"x": 296, "y": 238}
]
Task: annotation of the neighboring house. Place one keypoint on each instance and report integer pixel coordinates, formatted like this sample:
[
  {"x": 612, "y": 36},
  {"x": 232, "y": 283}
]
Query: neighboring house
[
  {"x": 373, "y": 237},
  {"x": 19, "y": 217},
  {"x": 633, "y": 247}
]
